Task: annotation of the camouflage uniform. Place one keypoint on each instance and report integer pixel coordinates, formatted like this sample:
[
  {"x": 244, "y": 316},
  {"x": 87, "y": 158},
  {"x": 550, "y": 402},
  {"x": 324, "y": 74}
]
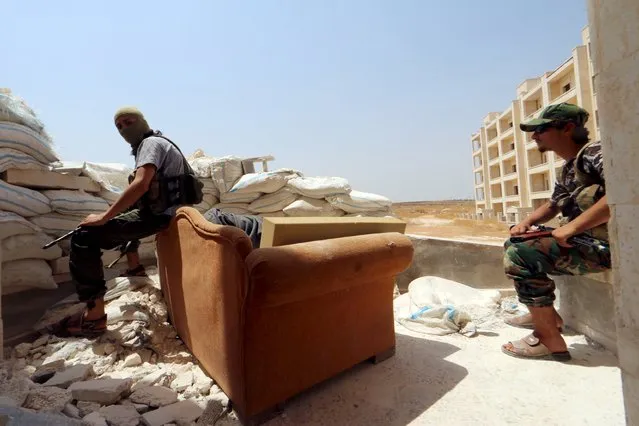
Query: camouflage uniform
[{"x": 529, "y": 263}]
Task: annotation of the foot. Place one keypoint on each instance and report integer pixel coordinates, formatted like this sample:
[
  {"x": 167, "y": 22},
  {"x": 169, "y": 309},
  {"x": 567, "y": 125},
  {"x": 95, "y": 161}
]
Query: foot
[
  {"x": 83, "y": 324},
  {"x": 533, "y": 347},
  {"x": 138, "y": 271},
  {"x": 526, "y": 321}
]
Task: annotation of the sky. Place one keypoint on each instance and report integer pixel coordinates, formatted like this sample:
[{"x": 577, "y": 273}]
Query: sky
[{"x": 383, "y": 93}]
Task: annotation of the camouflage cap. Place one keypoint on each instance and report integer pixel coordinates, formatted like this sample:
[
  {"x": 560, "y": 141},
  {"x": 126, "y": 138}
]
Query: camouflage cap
[{"x": 558, "y": 112}]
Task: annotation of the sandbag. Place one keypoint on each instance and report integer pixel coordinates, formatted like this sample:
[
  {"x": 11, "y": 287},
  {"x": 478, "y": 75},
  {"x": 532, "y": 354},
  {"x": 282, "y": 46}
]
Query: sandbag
[
  {"x": 202, "y": 166},
  {"x": 306, "y": 206},
  {"x": 11, "y": 224},
  {"x": 266, "y": 182},
  {"x": 273, "y": 202},
  {"x": 13, "y": 159},
  {"x": 241, "y": 197},
  {"x": 319, "y": 186},
  {"x": 26, "y": 274},
  {"x": 357, "y": 201},
  {"x": 23, "y": 201},
  {"x": 237, "y": 208},
  {"x": 208, "y": 201},
  {"x": 225, "y": 171},
  {"x": 209, "y": 187},
  {"x": 22, "y": 138},
  {"x": 15, "y": 110},
  {"x": 56, "y": 224},
  {"x": 75, "y": 203},
  {"x": 29, "y": 246}
]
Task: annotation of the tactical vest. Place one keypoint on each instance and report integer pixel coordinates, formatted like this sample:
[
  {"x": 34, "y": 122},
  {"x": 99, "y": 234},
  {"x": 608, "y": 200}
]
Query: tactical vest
[
  {"x": 584, "y": 193},
  {"x": 165, "y": 192}
]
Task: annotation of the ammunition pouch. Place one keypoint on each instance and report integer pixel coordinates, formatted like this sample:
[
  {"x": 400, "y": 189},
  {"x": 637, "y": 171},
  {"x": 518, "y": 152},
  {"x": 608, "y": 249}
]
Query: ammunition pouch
[{"x": 166, "y": 192}]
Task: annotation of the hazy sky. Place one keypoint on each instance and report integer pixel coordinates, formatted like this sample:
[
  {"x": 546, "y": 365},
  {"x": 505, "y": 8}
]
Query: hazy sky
[{"x": 383, "y": 93}]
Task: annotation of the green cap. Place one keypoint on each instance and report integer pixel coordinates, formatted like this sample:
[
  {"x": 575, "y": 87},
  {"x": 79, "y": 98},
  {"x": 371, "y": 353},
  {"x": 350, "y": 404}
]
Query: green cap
[{"x": 557, "y": 112}]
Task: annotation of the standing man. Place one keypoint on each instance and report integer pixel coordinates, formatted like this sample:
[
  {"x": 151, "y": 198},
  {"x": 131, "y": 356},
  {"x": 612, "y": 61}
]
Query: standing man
[
  {"x": 580, "y": 196},
  {"x": 144, "y": 208}
]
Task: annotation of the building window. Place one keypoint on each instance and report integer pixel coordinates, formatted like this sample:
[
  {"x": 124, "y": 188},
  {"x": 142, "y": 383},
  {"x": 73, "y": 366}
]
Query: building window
[
  {"x": 566, "y": 88},
  {"x": 597, "y": 118},
  {"x": 514, "y": 168},
  {"x": 516, "y": 189}
]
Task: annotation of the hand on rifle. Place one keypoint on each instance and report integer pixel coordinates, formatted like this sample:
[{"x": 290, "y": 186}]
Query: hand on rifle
[
  {"x": 519, "y": 229},
  {"x": 94, "y": 220},
  {"x": 562, "y": 234}
]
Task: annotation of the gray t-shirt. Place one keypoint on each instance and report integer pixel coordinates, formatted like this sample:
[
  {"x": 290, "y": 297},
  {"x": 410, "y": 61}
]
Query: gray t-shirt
[{"x": 166, "y": 158}]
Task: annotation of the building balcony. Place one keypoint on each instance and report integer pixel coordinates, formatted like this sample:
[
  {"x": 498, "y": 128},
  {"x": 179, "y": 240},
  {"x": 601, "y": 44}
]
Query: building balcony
[
  {"x": 510, "y": 176},
  {"x": 538, "y": 168},
  {"x": 508, "y": 154},
  {"x": 479, "y": 184},
  {"x": 495, "y": 180},
  {"x": 507, "y": 132},
  {"x": 493, "y": 161},
  {"x": 478, "y": 168},
  {"x": 540, "y": 194},
  {"x": 483, "y": 202},
  {"x": 493, "y": 141},
  {"x": 565, "y": 97},
  {"x": 514, "y": 197},
  {"x": 497, "y": 199}
]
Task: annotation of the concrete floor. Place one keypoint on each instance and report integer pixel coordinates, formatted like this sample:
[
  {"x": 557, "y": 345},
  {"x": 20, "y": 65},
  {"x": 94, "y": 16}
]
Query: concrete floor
[{"x": 455, "y": 380}]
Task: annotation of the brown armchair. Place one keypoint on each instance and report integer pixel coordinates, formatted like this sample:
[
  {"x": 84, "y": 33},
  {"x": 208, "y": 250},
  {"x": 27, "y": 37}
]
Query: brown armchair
[{"x": 268, "y": 323}]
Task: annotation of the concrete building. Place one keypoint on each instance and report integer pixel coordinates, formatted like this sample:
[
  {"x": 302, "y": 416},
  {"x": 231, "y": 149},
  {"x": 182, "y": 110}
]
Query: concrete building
[{"x": 511, "y": 176}]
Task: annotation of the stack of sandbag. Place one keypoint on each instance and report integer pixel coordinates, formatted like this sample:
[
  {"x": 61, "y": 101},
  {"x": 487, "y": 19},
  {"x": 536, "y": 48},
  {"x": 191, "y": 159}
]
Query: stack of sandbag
[
  {"x": 282, "y": 192},
  {"x": 24, "y": 145}
]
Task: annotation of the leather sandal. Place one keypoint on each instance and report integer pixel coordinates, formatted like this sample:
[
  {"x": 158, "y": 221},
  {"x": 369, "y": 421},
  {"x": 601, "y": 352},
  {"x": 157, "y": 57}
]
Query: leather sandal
[
  {"x": 138, "y": 271},
  {"x": 78, "y": 326},
  {"x": 530, "y": 347}
]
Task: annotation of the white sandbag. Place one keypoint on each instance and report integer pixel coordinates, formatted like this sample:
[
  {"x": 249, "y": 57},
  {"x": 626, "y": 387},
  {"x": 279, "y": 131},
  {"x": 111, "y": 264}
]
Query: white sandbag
[
  {"x": 22, "y": 138},
  {"x": 209, "y": 187},
  {"x": 202, "y": 166},
  {"x": 319, "y": 186},
  {"x": 73, "y": 168},
  {"x": 26, "y": 274},
  {"x": 377, "y": 213},
  {"x": 306, "y": 206},
  {"x": 273, "y": 202},
  {"x": 266, "y": 182},
  {"x": 237, "y": 208},
  {"x": 11, "y": 224},
  {"x": 16, "y": 110},
  {"x": 225, "y": 171},
  {"x": 29, "y": 246},
  {"x": 241, "y": 197},
  {"x": 23, "y": 201},
  {"x": 357, "y": 201},
  {"x": 76, "y": 203},
  {"x": 208, "y": 201},
  {"x": 112, "y": 177},
  {"x": 56, "y": 224},
  {"x": 13, "y": 159}
]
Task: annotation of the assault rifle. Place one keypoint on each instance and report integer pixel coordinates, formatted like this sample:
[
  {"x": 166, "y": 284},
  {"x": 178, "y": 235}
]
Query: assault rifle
[
  {"x": 124, "y": 248},
  {"x": 546, "y": 231}
]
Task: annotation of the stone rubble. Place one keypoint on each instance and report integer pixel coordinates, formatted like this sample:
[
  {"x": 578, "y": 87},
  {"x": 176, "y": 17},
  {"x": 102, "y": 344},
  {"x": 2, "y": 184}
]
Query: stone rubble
[{"x": 137, "y": 373}]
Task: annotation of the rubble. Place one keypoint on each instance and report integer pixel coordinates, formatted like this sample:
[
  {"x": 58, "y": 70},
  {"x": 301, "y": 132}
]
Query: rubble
[{"x": 138, "y": 372}]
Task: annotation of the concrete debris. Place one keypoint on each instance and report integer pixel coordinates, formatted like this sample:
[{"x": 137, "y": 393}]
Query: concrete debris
[
  {"x": 183, "y": 411},
  {"x": 104, "y": 391},
  {"x": 120, "y": 415},
  {"x": 13, "y": 416},
  {"x": 138, "y": 372},
  {"x": 49, "y": 399},
  {"x": 154, "y": 396},
  {"x": 64, "y": 379}
]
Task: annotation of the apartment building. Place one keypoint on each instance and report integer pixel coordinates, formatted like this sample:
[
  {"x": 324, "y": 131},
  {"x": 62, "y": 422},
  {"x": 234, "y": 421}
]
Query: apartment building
[{"x": 511, "y": 176}]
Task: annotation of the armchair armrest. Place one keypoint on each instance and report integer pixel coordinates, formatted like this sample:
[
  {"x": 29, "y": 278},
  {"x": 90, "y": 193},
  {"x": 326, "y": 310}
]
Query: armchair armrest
[{"x": 285, "y": 274}]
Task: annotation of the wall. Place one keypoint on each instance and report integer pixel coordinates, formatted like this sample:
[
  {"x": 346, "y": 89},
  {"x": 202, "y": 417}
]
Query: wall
[
  {"x": 474, "y": 264},
  {"x": 586, "y": 303},
  {"x": 614, "y": 33}
]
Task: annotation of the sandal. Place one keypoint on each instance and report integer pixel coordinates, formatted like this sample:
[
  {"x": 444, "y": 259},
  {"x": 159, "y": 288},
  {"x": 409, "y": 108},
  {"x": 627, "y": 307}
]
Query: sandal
[
  {"x": 530, "y": 347},
  {"x": 138, "y": 271},
  {"x": 77, "y": 326}
]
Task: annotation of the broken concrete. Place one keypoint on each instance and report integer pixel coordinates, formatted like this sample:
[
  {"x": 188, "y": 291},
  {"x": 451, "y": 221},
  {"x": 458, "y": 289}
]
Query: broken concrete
[{"x": 104, "y": 391}]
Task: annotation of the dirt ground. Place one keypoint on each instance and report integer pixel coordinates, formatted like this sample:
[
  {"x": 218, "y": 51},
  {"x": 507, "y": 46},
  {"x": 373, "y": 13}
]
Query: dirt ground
[{"x": 440, "y": 219}]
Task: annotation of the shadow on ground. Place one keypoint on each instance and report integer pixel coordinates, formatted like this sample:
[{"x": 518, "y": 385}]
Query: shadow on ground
[{"x": 392, "y": 393}]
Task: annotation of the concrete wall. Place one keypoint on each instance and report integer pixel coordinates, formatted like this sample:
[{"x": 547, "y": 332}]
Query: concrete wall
[
  {"x": 614, "y": 33},
  {"x": 475, "y": 264},
  {"x": 586, "y": 302}
]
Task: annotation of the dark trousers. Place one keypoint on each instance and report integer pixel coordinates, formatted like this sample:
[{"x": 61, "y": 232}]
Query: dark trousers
[{"x": 85, "y": 261}]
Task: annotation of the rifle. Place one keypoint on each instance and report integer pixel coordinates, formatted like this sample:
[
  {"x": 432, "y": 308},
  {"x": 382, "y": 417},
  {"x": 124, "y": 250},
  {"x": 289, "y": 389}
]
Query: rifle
[
  {"x": 124, "y": 248},
  {"x": 546, "y": 231}
]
